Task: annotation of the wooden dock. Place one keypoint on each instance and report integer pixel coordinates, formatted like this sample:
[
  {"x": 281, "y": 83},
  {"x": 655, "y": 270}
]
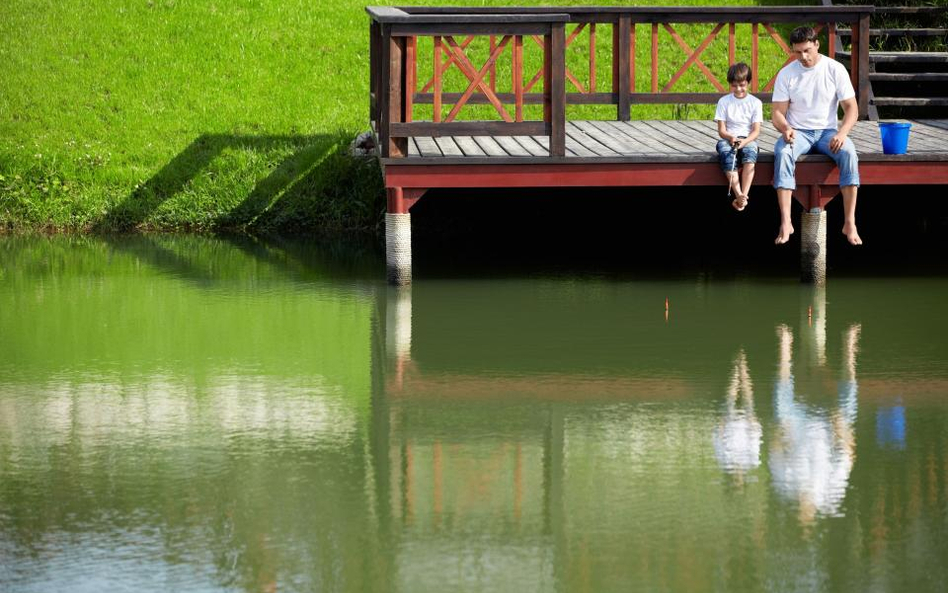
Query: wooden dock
[{"x": 511, "y": 151}]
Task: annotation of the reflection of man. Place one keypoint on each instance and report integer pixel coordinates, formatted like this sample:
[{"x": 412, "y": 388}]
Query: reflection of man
[
  {"x": 737, "y": 439},
  {"x": 813, "y": 452},
  {"x": 807, "y": 93}
]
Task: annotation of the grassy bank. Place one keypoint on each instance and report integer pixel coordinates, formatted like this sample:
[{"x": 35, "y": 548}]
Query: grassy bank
[{"x": 166, "y": 114}]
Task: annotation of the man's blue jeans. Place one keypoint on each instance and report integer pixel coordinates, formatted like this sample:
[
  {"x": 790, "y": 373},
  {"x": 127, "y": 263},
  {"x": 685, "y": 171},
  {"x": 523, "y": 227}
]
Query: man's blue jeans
[{"x": 806, "y": 141}]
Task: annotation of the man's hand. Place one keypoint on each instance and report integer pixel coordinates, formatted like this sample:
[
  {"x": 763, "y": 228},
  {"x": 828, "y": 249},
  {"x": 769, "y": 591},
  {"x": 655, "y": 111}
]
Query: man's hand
[
  {"x": 836, "y": 142},
  {"x": 789, "y": 135}
]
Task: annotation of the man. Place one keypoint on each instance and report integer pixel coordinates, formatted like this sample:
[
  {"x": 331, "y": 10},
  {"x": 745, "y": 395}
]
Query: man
[{"x": 805, "y": 100}]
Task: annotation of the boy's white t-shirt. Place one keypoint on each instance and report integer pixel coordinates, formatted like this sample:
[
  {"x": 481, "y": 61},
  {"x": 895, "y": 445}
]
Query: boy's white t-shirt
[
  {"x": 814, "y": 93},
  {"x": 739, "y": 115}
]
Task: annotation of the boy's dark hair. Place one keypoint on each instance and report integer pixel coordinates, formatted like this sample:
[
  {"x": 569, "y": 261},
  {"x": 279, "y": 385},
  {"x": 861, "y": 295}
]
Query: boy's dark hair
[
  {"x": 803, "y": 34},
  {"x": 739, "y": 72}
]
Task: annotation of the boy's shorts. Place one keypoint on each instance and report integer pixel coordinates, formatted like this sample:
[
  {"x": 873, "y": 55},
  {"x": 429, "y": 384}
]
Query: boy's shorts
[{"x": 731, "y": 161}]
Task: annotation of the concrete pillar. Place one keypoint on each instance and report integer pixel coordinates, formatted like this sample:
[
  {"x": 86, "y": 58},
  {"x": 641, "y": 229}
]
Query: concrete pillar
[
  {"x": 398, "y": 248},
  {"x": 813, "y": 247}
]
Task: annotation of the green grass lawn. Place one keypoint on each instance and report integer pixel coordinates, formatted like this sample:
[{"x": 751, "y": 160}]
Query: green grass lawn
[{"x": 201, "y": 114}]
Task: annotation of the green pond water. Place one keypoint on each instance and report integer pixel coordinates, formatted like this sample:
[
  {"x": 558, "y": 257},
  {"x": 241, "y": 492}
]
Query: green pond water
[{"x": 188, "y": 413}]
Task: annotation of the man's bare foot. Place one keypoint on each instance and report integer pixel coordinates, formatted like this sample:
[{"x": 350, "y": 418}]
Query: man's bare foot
[
  {"x": 849, "y": 229},
  {"x": 786, "y": 229}
]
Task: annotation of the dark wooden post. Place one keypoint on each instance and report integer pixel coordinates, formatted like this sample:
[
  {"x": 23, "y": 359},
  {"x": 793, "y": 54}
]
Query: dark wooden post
[
  {"x": 394, "y": 108},
  {"x": 862, "y": 67},
  {"x": 375, "y": 34},
  {"x": 623, "y": 55},
  {"x": 554, "y": 87}
]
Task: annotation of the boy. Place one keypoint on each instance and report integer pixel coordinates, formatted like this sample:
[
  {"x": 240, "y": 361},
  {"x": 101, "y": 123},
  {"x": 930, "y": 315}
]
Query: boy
[{"x": 739, "y": 115}]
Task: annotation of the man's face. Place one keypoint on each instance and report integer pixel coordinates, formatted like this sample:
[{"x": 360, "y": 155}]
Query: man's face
[{"x": 808, "y": 53}]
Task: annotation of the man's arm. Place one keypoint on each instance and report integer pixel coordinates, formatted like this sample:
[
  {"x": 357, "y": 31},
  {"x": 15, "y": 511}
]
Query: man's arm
[
  {"x": 850, "y": 115},
  {"x": 779, "y": 119}
]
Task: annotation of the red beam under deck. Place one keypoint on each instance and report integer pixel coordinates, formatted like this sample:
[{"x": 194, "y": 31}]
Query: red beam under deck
[{"x": 646, "y": 174}]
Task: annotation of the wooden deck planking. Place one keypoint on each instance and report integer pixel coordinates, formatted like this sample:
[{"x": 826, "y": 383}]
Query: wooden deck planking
[
  {"x": 612, "y": 127},
  {"x": 469, "y": 146},
  {"x": 656, "y": 141}
]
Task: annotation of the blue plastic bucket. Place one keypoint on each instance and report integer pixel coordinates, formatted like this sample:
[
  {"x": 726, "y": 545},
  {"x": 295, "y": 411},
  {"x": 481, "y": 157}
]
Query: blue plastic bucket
[{"x": 894, "y": 137}]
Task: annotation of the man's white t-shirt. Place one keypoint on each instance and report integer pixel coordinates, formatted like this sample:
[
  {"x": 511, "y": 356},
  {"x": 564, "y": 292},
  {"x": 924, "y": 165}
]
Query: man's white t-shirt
[
  {"x": 739, "y": 115},
  {"x": 814, "y": 93}
]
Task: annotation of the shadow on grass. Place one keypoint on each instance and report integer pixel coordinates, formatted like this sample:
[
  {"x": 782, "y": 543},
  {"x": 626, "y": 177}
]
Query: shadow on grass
[{"x": 306, "y": 183}]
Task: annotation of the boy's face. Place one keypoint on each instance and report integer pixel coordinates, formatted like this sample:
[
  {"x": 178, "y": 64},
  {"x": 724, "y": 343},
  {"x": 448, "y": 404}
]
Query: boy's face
[
  {"x": 739, "y": 88},
  {"x": 807, "y": 53}
]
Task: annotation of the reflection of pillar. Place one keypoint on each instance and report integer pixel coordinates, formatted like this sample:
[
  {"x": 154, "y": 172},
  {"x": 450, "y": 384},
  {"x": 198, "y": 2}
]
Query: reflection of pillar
[
  {"x": 398, "y": 248},
  {"x": 553, "y": 503},
  {"x": 398, "y": 330},
  {"x": 813, "y": 247},
  {"x": 518, "y": 485},
  {"x": 438, "y": 483},
  {"x": 819, "y": 324}
]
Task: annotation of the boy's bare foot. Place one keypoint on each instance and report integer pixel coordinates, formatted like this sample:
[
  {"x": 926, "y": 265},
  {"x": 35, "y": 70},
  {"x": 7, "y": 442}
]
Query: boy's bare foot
[
  {"x": 786, "y": 229},
  {"x": 740, "y": 202},
  {"x": 849, "y": 229}
]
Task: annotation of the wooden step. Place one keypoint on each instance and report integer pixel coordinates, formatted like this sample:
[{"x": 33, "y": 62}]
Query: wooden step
[
  {"x": 905, "y": 57},
  {"x": 916, "y": 32},
  {"x": 908, "y": 76},
  {"x": 910, "y": 101}
]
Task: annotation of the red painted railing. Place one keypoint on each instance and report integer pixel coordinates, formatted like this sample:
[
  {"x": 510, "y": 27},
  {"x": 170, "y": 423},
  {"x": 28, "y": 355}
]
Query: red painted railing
[{"x": 395, "y": 89}]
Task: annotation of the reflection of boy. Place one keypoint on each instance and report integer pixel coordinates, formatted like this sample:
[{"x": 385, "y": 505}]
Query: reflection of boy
[
  {"x": 737, "y": 440},
  {"x": 739, "y": 115}
]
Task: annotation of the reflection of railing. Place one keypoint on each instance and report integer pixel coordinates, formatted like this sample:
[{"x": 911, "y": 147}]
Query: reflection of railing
[{"x": 394, "y": 88}]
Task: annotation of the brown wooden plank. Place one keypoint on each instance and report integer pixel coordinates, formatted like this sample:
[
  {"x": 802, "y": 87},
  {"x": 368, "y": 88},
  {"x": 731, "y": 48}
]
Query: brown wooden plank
[
  {"x": 659, "y": 142},
  {"x": 611, "y": 142},
  {"x": 621, "y": 55},
  {"x": 544, "y": 141},
  {"x": 577, "y": 148},
  {"x": 512, "y": 147},
  {"x": 428, "y": 147},
  {"x": 468, "y": 146},
  {"x": 588, "y": 142},
  {"x": 613, "y": 128},
  {"x": 490, "y": 146},
  {"x": 448, "y": 146},
  {"x": 709, "y": 133},
  {"x": 684, "y": 134},
  {"x": 557, "y": 81},
  {"x": 470, "y": 128},
  {"x": 531, "y": 145}
]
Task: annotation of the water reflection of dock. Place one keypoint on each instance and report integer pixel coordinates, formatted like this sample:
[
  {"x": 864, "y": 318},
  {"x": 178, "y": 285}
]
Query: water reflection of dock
[{"x": 508, "y": 462}]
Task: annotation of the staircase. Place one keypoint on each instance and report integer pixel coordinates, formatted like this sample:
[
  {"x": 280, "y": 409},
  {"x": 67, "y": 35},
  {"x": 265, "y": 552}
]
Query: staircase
[{"x": 908, "y": 64}]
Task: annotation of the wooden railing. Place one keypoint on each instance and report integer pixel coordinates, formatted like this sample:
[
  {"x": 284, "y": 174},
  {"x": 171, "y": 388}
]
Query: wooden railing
[{"x": 395, "y": 89}]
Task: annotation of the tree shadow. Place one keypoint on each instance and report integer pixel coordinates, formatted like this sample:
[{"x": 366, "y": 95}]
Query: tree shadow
[{"x": 314, "y": 184}]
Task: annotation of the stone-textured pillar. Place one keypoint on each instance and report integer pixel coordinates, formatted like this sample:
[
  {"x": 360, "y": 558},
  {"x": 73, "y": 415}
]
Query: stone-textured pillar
[
  {"x": 398, "y": 248},
  {"x": 813, "y": 247}
]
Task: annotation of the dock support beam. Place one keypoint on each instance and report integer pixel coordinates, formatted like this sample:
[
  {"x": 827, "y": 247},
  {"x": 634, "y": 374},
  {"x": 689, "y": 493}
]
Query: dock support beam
[
  {"x": 398, "y": 233},
  {"x": 398, "y": 248},
  {"x": 813, "y": 247}
]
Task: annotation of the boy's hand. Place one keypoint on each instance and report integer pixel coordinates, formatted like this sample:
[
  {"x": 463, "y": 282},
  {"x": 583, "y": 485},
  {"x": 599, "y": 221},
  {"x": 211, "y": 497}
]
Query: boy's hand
[
  {"x": 738, "y": 144},
  {"x": 788, "y": 135}
]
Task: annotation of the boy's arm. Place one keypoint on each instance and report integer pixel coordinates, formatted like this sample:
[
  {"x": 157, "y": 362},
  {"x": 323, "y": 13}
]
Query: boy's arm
[
  {"x": 723, "y": 133},
  {"x": 754, "y": 133}
]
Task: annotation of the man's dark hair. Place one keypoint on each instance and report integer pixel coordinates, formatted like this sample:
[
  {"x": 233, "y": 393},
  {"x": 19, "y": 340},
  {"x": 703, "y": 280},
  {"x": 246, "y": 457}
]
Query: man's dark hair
[
  {"x": 804, "y": 34},
  {"x": 739, "y": 72}
]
